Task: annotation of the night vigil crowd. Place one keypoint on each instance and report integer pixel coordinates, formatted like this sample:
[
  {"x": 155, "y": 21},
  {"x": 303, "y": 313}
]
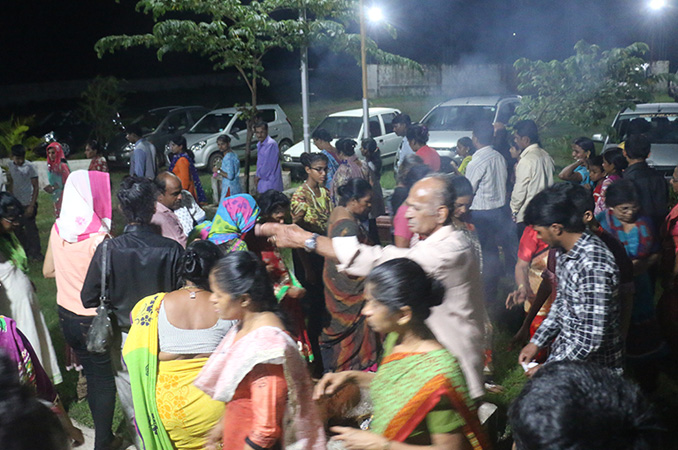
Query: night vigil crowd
[{"x": 338, "y": 318}]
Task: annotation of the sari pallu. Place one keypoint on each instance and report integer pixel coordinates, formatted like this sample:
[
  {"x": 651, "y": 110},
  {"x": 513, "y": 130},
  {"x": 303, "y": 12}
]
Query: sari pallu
[
  {"x": 169, "y": 411},
  {"x": 197, "y": 191},
  {"x": 233, "y": 360},
  {"x": 421, "y": 381}
]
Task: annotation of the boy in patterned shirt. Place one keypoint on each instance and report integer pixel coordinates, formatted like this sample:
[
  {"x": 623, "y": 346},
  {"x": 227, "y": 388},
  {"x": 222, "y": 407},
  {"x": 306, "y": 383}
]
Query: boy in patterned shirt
[{"x": 584, "y": 321}]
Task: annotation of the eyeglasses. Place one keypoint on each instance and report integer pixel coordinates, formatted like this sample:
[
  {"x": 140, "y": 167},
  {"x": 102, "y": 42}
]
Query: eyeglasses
[{"x": 320, "y": 169}]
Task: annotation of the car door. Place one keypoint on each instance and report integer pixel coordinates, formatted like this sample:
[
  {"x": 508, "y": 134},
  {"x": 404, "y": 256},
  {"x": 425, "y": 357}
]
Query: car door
[
  {"x": 237, "y": 130},
  {"x": 388, "y": 142}
]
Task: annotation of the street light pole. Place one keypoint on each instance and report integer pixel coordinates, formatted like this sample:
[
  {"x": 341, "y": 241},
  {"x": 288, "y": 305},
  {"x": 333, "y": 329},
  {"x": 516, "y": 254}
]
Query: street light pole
[
  {"x": 363, "y": 59},
  {"x": 304, "y": 88}
]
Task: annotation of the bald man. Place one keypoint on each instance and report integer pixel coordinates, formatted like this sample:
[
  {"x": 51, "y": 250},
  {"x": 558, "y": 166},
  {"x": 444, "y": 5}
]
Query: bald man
[
  {"x": 169, "y": 200},
  {"x": 442, "y": 251}
]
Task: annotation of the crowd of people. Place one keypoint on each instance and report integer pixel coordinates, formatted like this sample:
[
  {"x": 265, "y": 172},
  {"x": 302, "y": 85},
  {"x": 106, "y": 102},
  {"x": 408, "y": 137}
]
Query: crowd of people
[{"x": 265, "y": 326}]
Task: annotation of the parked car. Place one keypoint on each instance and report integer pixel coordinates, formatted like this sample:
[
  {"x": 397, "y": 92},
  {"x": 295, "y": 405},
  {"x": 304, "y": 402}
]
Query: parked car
[
  {"x": 662, "y": 120},
  {"x": 64, "y": 127},
  {"x": 158, "y": 125},
  {"x": 349, "y": 124},
  {"x": 451, "y": 120},
  {"x": 202, "y": 137}
]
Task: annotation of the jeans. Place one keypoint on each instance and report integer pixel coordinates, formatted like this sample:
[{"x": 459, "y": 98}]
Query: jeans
[
  {"x": 99, "y": 374},
  {"x": 495, "y": 229}
]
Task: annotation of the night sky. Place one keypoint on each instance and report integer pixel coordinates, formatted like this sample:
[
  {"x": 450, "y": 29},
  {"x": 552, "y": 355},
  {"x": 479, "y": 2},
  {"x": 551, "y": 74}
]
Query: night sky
[{"x": 53, "y": 40}]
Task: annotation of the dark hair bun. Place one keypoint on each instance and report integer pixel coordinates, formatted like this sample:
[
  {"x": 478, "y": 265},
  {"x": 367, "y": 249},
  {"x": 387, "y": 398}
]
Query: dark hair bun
[{"x": 437, "y": 294}]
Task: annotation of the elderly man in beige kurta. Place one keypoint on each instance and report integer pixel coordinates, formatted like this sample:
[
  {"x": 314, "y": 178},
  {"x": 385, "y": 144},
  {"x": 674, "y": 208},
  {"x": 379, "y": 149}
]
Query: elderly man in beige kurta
[
  {"x": 443, "y": 252},
  {"x": 459, "y": 322}
]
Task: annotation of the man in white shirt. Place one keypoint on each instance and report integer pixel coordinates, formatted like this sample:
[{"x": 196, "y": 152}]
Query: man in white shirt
[
  {"x": 442, "y": 251},
  {"x": 401, "y": 123},
  {"x": 487, "y": 173},
  {"x": 534, "y": 171}
]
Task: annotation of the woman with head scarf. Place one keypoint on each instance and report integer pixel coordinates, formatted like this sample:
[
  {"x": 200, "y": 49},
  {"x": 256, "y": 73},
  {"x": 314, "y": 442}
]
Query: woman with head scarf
[
  {"x": 235, "y": 216},
  {"x": 182, "y": 165},
  {"x": 57, "y": 173},
  {"x": 84, "y": 223}
]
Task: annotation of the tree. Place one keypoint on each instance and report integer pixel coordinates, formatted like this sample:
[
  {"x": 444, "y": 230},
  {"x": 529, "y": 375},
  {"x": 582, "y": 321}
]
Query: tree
[
  {"x": 585, "y": 88},
  {"x": 232, "y": 33},
  {"x": 13, "y": 132},
  {"x": 101, "y": 100}
]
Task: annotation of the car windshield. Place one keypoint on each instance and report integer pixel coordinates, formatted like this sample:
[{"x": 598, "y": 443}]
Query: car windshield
[
  {"x": 342, "y": 127},
  {"x": 150, "y": 121},
  {"x": 661, "y": 128},
  {"x": 458, "y": 118},
  {"x": 212, "y": 123}
]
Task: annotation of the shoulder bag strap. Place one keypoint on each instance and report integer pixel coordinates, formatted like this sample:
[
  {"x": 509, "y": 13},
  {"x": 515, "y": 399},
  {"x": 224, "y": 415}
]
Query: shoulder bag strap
[{"x": 104, "y": 271}]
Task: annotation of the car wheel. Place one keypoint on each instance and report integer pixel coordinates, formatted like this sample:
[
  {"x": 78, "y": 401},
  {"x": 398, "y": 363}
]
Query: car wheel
[
  {"x": 284, "y": 145},
  {"x": 214, "y": 161},
  {"x": 66, "y": 148}
]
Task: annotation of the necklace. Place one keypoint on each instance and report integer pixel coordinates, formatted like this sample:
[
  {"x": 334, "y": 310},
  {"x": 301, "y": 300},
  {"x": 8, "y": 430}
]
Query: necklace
[{"x": 191, "y": 294}]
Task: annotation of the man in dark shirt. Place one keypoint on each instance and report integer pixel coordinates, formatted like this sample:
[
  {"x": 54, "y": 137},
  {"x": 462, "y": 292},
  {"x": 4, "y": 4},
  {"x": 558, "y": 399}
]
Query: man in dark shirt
[
  {"x": 653, "y": 190},
  {"x": 140, "y": 263}
]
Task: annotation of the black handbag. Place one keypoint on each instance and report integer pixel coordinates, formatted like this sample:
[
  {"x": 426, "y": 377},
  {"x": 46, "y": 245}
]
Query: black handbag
[{"x": 100, "y": 334}]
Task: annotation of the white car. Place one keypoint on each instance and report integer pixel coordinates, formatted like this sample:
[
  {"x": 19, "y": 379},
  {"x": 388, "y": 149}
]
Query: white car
[
  {"x": 452, "y": 120},
  {"x": 202, "y": 137},
  {"x": 349, "y": 124}
]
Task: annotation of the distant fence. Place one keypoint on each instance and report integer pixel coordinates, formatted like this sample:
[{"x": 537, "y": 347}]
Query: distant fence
[{"x": 451, "y": 80}]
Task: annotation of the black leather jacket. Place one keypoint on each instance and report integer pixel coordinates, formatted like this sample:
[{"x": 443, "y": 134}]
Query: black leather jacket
[{"x": 141, "y": 263}]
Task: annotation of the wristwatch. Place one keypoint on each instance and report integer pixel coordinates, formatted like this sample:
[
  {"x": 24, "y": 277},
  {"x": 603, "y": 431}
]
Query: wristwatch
[{"x": 311, "y": 243}]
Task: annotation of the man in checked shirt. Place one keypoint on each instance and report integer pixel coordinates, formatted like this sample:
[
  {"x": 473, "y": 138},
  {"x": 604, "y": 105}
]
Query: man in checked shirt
[{"x": 584, "y": 321}]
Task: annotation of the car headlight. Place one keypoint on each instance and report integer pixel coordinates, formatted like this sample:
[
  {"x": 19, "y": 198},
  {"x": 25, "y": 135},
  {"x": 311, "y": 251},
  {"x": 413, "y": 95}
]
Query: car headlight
[
  {"x": 198, "y": 146},
  {"x": 129, "y": 148},
  {"x": 287, "y": 158},
  {"x": 49, "y": 137}
]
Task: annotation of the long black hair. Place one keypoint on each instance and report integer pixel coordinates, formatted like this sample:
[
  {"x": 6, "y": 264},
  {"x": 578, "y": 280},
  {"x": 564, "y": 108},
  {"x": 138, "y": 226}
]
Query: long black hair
[
  {"x": 197, "y": 262},
  {"x": 402, "y": 282}
]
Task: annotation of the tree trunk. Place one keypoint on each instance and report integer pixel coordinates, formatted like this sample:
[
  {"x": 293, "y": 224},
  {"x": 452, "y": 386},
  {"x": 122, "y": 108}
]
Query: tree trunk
[{"x": 248, "y": 139}]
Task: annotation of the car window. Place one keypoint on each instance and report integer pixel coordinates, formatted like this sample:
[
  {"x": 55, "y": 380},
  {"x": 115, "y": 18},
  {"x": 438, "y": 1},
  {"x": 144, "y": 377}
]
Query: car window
[
  {"x": 375, "y": 128},
  {"x": 388, "y": 118},
  {"x": 458, "y": 118},
  {"x": 267, "y": 115},
  {"x": 177, "y": 122},
  {"x": 238, "y": 125},
  {"x": 506, "y": 111},
  {"x": 149, "y": 121},
  {"x": 661, "y": 128},
  {"x": 212, "y": 123},
  {"x": 342, "y": 127}
]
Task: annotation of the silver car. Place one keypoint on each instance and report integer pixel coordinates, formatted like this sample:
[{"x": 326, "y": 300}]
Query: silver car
[
  {"x": 202, "y": 137},
  {"x": 662, "y": 124},
  {"x": 349, "y": 124},
  {"x": 452, "y": 120}
]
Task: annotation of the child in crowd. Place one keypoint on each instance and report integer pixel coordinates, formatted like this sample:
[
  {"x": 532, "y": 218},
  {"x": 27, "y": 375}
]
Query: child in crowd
[
  {"x": 597, "y": 177},
  {"x": 25, "y": 188}
]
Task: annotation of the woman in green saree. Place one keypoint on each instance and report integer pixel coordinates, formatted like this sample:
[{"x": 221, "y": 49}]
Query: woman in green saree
[{"x": 419, "y": 393}]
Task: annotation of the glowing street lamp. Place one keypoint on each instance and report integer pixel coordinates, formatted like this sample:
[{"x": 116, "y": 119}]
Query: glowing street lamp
[
  {"x": 374, "y": 14},
  {"x": 657, "y": 5}
]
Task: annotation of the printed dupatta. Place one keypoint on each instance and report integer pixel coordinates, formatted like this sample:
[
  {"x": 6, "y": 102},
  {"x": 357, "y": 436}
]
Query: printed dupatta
[
  {"x": 421, "y": 381},
  {"x": 141, "y": 357}
]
